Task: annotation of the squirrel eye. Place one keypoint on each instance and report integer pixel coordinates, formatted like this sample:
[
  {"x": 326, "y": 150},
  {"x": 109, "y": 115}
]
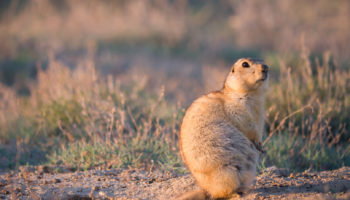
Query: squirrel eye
[{"x": 245, "y": 65}]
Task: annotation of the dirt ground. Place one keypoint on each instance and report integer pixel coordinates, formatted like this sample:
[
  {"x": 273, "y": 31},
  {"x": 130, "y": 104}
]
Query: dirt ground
[{"x": 45, "y": 182}]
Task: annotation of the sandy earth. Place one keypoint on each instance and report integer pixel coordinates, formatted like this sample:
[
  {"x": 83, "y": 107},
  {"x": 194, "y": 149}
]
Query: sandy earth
[{"x": 46, "y": 182}]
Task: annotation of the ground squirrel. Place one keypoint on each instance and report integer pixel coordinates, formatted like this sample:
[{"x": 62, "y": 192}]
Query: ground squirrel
[{"x": 221, "y": 132}]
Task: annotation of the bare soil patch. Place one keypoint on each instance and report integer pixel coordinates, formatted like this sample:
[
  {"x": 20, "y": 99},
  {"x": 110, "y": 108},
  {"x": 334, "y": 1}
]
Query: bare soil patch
[{"x": 45, "y": 182}]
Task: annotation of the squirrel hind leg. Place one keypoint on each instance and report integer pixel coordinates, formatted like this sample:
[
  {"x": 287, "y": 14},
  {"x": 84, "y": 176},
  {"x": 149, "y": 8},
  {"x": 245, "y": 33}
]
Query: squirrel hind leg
[
  {"x": 227, "y": 181},
  {"x": 194, "y": 195},
  {"x": 221, "y": 182}
]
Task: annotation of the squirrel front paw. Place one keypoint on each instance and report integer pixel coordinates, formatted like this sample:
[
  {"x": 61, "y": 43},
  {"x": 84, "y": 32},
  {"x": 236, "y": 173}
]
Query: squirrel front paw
[{"x": 259, "y": 147}]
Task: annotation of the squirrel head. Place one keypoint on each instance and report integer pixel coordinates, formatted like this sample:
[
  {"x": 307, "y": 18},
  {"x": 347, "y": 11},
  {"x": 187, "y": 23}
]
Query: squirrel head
[{"x": 248, "y": 75}]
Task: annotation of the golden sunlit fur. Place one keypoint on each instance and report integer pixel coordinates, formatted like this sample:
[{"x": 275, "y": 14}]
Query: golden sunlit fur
[{"x": 221, "y": 132}]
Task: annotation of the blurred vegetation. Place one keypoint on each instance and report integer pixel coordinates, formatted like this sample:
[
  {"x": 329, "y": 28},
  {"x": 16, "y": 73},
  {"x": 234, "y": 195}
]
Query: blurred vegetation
[
  {"x": 79, "y": 119},
  {"x": 105, "y": 83},
  {"x": 308, "y": 114}
]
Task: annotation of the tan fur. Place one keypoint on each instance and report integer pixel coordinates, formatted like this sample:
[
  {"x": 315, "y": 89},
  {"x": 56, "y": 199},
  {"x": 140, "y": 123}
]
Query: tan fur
[
  {"x": 194, "y": 195},
  {"x": 221, "y": 132}
]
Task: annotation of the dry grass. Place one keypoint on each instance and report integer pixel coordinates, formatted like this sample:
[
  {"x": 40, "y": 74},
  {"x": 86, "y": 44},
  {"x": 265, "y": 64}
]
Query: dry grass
[
  {"x": 78, "y": 118},
  {"x": 308, "y": 114},
  {"x": 85, "y": 120}
]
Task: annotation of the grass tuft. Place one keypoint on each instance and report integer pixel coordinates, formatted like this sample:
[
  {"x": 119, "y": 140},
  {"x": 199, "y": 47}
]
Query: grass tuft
[{"x": 81, "y": 119}]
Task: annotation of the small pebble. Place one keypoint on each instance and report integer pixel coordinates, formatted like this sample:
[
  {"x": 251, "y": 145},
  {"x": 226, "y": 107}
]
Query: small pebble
[
  {"x": 3, "y": 182},
  {"x": 17, "y": 189},
  {"x": 58, "y": 180},
  {"x": 95, "y": 188},
  {"x": 5, "y": 192},
  {"x": 102, "y": 193}
]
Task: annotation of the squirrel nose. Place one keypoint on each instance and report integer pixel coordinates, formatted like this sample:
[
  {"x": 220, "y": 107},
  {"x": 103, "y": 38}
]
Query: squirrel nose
[{"x": 265, "y": 68}]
